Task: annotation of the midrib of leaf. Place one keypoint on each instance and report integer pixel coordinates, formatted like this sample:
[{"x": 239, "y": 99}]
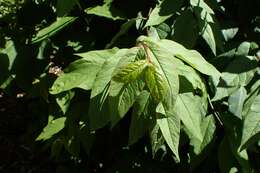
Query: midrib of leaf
[{"x": 164, "y": 73}]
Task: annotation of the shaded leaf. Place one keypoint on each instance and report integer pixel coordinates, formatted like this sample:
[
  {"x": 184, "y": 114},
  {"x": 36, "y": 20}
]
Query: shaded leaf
[
  {"x": 185, "y": 29},
  {"x": 156, "y": 138},
  {"x": 225, "y": 157},
  {"x": 170, "y": 128},
  {"x": 120, "y": 104},
  {"x": 251, "y": 123},
  {"x": 141, "y": 118},
  {"x": 53, "y": 29},
  {"x": 65, "y": 6},
  {"x": 123, "y": 30}
]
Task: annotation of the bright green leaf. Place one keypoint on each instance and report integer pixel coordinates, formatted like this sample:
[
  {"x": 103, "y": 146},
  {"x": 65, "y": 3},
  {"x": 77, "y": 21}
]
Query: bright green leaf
[
  {"x": 156, "y": 83},
  {"x": 106, "y": 10},
  {"x": 163, "y": 11},
  {"x": 130, "y": 72},
  {"x": 64, "y": 99},
  {"x": 191, "y": 57},
  {"x": 111, "y": 67},
  {"x": 82, "y": 73},
  {"x": 53, "y": 127}
]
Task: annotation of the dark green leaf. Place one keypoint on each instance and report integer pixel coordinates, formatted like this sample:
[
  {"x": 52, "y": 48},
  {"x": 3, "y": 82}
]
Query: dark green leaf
[{"x": 65, "y": 6}]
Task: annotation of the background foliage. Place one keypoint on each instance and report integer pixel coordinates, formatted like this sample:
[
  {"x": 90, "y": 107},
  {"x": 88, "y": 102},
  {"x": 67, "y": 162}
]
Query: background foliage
[{"x": 123, "y": 86}]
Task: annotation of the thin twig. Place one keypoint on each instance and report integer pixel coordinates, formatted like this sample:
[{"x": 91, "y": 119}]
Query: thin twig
[{"x": 215, "y": 112}]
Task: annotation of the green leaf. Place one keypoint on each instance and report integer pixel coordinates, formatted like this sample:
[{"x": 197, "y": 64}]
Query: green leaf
[
  {"x": 161, "y": 31},
  {"x": 165, "y": 70},
  {"x": 111, "y": 67},
  {"x": 141, "y": 118},
  {"x": 156, "y": 138},
  {"x": 254, "y": 91},
  {"x": 130, "y": 72},
  {"x": 72, "y": 145},
  {"x": 53, "y": 127},
  {"x": 120, "y": 104},
  {"x": 65, "y": 6},
  {"x": 64, "y": 99},
  {"x": 243, "y": 49},
  {"x": 233, "y": 127},
  {"x": 86, "y": 138},
  {"x": 11, "y": 53},
  {"x": 185, "y": 29},
  {"x": 156, "y": 83},
  {"x": 251, "y": 123},
  {"x": 163, "y": 11},
  {"x": 53, "y": 29},
  {"x": 56, "y": 147},
  {"x": 201, "y": 4},
  {"x": 229, "y": 33},
  {"x": 170, "y": 128},
  {"x": 205, "y": 21},
  {"x": 188, "y": 109},
  {"x": 208, "y": 129},
  {"x": 82, "y": 73},
  {"x": 7, "y": 59},
  {"x": 238, "y": 72},
  {"x": 236, "y": 102},
  {"x": 98, "y": 111},
  {"x": 191, "y": 57},
  {"x": 207, "y": 34},
  {"x": 106, "y": 10}
]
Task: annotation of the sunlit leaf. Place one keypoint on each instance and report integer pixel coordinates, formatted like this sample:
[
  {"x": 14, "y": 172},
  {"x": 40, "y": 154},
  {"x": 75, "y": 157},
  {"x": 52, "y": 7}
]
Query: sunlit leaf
[{"x": 53, "y": 127}]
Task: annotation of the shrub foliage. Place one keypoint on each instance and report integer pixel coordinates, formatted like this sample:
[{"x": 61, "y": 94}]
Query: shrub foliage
[{"x": 154, "y": 84}]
